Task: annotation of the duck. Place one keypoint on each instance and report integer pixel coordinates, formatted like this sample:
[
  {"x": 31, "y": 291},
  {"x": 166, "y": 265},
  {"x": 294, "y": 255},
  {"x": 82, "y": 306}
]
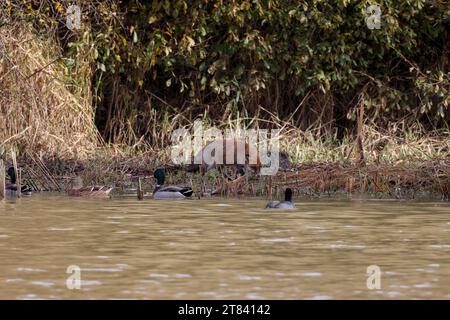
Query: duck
[
  {"x": 162, "y": 191},
  {"x": 11, "y": 188},
  {"x": 98, "y": 192},
  {"x": 286, "y": 204}
]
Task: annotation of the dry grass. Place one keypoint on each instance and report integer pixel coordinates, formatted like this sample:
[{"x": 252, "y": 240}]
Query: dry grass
[
  {"x": 396, "y": 181},
  {"x": 41, "y": 109},
  {"x": 395, "y": 145},
  {"x": 398, "y": 144}
]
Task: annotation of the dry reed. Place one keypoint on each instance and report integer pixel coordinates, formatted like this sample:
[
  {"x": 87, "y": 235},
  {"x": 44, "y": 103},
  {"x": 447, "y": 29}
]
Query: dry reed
[{"x": 39, "y": 111}]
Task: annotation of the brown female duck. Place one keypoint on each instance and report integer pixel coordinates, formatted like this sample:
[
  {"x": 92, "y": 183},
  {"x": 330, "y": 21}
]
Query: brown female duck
[{"x": 89, "y": 191}]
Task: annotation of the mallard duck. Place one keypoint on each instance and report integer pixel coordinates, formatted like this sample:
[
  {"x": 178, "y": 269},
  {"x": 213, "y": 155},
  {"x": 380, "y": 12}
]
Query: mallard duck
[
  {"x": 169, "y": 191},
  {"x": 11, "y": 188},
  {"x": 286, "y": 204},
  {"x": 89, "y": 191}
]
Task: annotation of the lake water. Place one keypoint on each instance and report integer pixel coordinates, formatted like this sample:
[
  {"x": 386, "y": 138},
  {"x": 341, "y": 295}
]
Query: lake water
[{"x": 222, "y": 249}]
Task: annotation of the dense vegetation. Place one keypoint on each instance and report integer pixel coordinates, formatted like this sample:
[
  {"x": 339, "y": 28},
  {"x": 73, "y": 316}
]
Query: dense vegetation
[{"x": 310, "y": 63}]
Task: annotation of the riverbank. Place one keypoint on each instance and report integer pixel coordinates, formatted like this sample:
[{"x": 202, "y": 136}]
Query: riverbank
[
  {"x": 403, "y": 180},
  {"x": 403, "y": 162}
]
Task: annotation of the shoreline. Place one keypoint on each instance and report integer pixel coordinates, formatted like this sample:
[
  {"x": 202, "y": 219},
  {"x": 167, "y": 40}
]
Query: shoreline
[{"x": 406, "y": 180}]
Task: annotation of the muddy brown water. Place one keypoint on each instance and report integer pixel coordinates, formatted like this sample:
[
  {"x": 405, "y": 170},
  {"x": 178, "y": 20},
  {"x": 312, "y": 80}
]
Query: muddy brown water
[{"x": 222, "y": 249}]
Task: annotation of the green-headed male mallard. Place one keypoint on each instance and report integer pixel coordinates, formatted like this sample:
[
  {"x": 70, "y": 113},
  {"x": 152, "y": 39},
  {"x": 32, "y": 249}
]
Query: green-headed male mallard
[
  {"x": 286, "y": 204},
  {"x": 169, "y": 191},
  {"x": 11, "y": 188}
]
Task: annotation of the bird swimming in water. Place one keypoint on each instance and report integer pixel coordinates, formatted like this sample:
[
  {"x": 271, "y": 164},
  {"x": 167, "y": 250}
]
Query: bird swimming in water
[
  {"x": 169, "y": 191},
  {"x": 78, "y": 190},
  {"x": 286, "y": 204}
]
